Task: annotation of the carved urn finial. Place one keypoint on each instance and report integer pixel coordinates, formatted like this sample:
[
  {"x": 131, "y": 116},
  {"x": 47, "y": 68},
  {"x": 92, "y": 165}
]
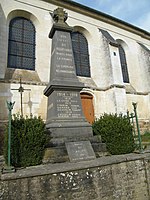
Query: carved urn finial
[{"x": 59, "y": 16}]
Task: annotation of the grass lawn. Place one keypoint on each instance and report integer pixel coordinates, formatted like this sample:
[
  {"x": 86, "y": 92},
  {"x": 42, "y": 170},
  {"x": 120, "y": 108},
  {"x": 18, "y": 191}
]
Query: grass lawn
[
  {"x": 146, "y": 137},
  {"x": 146, "y": 140}
]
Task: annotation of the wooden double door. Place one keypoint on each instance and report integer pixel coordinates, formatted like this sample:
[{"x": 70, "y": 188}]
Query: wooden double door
[{"x": 87, "y": 106}]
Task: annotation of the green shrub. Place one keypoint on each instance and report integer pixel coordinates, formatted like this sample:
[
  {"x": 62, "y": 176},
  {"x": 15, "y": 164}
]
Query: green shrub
[
  {"x": 116, "y": 132},
  {"x": 28, "y": 140},
  {"x": 2, "y": 131}
]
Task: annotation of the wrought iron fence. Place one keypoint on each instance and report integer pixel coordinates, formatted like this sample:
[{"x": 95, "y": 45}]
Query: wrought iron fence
[{"x": 133, "y": 117}]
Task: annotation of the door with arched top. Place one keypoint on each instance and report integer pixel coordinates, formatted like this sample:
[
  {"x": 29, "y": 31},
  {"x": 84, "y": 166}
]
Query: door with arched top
[{"x": 87, "y": 106}]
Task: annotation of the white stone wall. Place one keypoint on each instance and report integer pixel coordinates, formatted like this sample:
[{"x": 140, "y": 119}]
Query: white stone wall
[
  {"x": 3, "y": 42},
  {"x": 109, "y": 90},
  {"x": 34, "y": 102}
]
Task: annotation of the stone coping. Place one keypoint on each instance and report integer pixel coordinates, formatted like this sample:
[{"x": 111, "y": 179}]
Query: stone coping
[
  {"x": 41, "y": 170},
  {"x": 24, "y": 82}
]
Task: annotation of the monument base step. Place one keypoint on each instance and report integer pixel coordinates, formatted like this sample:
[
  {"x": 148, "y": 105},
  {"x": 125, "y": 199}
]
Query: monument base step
[
  {"x": 59, "y": 154},
  {"x": 57, "y": 142}
]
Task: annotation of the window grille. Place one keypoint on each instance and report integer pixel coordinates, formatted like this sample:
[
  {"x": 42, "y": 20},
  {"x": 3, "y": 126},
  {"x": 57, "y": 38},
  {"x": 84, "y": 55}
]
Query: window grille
[
  {"x": 81, "y": 54},
  {"x": 123, "y": 65},
  {"x": 21, "y": 44}
]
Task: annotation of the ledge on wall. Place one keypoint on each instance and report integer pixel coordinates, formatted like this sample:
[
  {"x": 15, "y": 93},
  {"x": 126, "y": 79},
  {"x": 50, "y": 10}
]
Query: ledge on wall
[
  {"x": 27, "y": 76},
  {"x": 131, "y": 90},
  {"x": 88, "y": 82}
]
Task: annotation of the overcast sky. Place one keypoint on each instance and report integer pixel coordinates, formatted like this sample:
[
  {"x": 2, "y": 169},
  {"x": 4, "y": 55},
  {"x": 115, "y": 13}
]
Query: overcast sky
[{"x": 135, "y": 12}]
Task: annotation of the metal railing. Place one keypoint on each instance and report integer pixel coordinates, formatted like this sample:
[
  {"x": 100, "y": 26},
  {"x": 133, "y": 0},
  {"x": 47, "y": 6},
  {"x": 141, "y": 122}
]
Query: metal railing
[{"x": 133, "y": 117}]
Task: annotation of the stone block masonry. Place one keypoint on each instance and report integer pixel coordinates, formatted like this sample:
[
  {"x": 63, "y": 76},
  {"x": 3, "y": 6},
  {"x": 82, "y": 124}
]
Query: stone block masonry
[{"x": 120, "y": 177}]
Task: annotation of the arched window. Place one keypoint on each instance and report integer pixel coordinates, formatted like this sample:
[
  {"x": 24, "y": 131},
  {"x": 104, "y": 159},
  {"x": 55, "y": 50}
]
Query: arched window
[
  {"x": 123, "y": 65},
  {"x": 81, "y": 54},
  {"x": 21, "y": 45}
]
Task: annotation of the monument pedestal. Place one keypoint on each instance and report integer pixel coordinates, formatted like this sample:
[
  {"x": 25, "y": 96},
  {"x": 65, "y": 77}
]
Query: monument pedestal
[{"x": 65, "y": 118}]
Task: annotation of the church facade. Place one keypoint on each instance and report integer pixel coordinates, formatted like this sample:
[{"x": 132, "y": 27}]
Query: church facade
[{"x": 112, "y": 59}]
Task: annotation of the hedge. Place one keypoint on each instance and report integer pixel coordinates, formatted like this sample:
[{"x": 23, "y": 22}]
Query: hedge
[
  {"x": 116, "y": 132},
  {"x": 28, "y": 140}
]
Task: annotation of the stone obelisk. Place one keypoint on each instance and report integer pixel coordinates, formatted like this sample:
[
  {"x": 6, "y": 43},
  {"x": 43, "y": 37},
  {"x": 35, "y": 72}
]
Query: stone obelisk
[{"x": 65, "y": 119}]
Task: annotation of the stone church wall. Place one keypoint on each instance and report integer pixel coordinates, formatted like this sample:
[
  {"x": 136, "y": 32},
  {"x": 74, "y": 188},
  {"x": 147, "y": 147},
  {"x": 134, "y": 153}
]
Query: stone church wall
[{"x": 110, "y": 93}]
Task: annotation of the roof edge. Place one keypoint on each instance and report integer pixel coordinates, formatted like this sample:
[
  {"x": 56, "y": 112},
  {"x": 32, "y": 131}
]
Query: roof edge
[{"x": 82, "y": 9}]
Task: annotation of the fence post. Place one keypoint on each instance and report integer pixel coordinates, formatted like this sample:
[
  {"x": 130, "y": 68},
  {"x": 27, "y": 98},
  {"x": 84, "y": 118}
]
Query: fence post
[
  {"x": 137, "y": 124},
  {"x": 132, "y": 116},
  {"x": 9, "y": 168}
]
